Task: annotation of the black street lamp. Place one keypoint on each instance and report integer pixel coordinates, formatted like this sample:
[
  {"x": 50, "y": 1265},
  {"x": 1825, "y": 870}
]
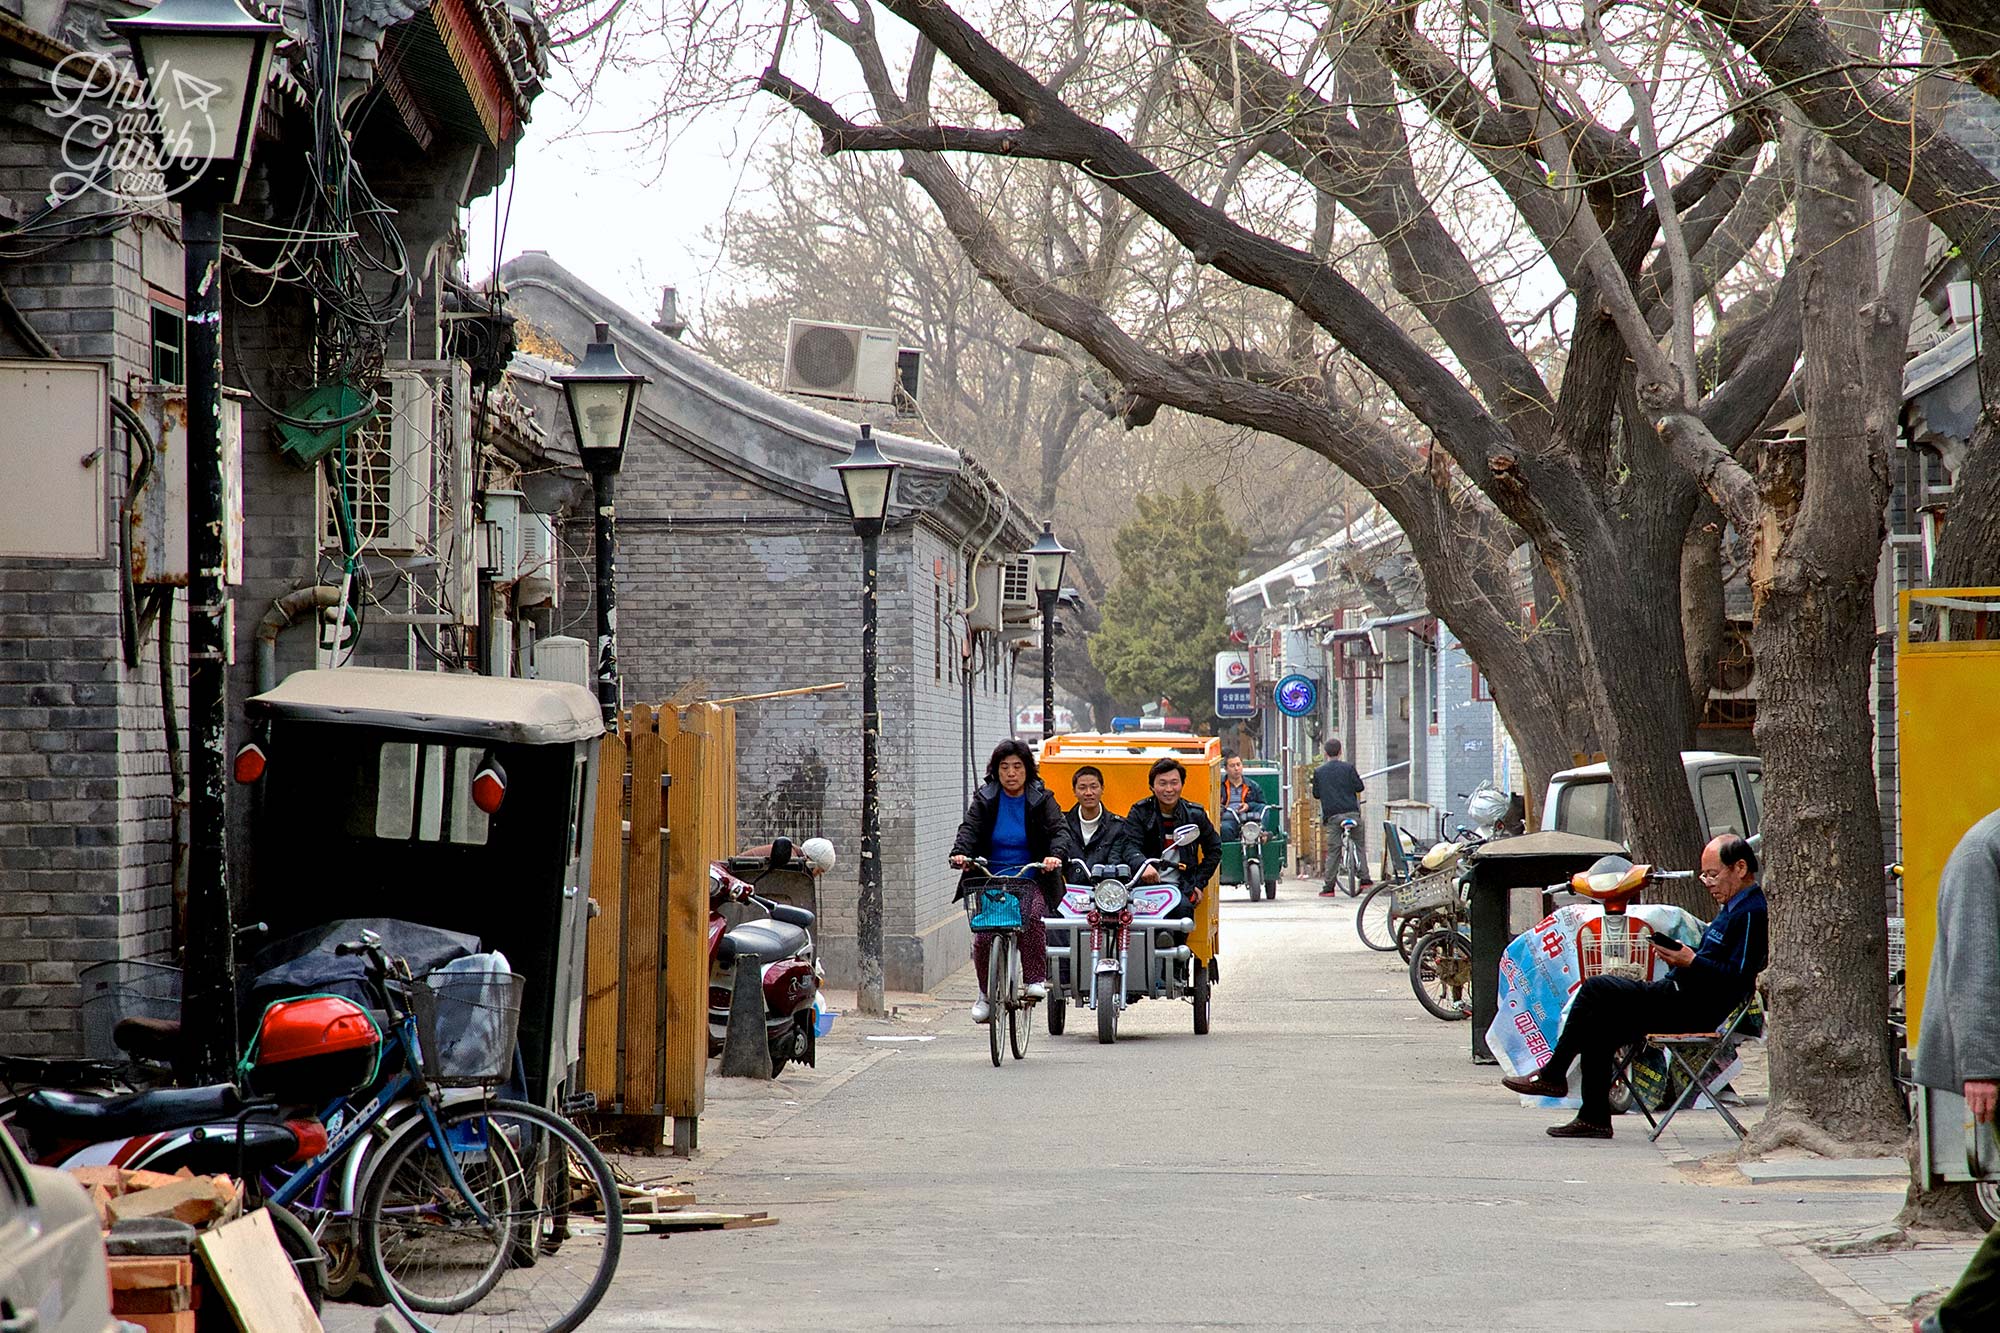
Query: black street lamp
[
  {"x": 868, "y": 477},
  {"x": 603, "y": 396},
  {"x": 205, "y": 64},
  {"x": 1046, "y": 559}
]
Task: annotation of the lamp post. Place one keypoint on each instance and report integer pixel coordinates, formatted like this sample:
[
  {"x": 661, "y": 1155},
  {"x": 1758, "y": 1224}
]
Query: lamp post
[
  {"x": 204, "y": 63},
  {"x": 602, "y": 396},
  {"x": 1047, "y": 558},
  {"x": 868, "y": 478}
]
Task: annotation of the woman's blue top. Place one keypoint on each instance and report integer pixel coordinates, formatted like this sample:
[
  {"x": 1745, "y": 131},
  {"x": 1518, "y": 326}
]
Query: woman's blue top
[{"x": 1010, "y": 835}]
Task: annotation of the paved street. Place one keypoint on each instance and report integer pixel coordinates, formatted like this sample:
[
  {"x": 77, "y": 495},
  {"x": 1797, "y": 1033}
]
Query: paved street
[{"x": 1327, "y": 1158}]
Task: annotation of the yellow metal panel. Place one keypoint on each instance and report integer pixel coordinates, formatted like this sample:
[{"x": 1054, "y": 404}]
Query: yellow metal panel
[
  {"x": 1947, "y": 697},
  {"x": 1124, "y": 759}
]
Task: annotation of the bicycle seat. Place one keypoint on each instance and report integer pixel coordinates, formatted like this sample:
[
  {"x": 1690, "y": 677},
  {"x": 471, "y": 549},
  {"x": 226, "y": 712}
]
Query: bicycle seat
[
  {"x": 155, "y": 1039},
  {"x": 1347, "y": 823},
  {"x": 768, "y": 940},
  {"x": 95, "y": 1116}
]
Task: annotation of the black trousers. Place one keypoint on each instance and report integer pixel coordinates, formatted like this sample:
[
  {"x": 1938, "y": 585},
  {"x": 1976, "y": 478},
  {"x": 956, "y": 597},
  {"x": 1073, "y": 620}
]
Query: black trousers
[{"x": 1608, "y": 1013}]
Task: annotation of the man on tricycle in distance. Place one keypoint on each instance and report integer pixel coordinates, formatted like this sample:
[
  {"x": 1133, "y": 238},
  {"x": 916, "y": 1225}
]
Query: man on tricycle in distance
[
  {"x": 1151, "y": 826},
  {"x": 1241, "y": 799}
]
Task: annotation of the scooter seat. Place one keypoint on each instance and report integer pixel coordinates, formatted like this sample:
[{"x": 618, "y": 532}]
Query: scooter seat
[
  {"x": 83, "y": 1115},
  {"x": 768, "y": 940}
]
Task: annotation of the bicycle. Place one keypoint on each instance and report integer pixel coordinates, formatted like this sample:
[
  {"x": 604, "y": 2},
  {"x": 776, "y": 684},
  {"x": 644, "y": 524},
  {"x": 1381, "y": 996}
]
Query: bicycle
[
  {"x": 994, "y": 906},
  {"x": 496, "y": 1210},
  {"x": 1352, "y": 869}
]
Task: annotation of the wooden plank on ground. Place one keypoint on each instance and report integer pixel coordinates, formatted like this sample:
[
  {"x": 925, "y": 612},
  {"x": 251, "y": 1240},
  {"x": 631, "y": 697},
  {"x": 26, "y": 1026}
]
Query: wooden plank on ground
[
  {"x": 703, "y": 1221},
  {"x": 642, "y": 916},
  {"x": 604, "y": 939},
  {"x": 255, "y": 1277},
  {"x": 684, "y": 1040},
  {"x": 634, "y": 1200}
]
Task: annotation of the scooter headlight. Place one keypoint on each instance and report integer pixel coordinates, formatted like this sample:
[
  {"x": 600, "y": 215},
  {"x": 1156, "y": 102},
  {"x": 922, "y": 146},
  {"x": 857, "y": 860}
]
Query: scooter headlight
[{"x": 1110, "y": 896}]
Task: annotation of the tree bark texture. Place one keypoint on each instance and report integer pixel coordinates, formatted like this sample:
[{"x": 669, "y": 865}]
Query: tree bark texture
[{"x": 1820, "y": 541}]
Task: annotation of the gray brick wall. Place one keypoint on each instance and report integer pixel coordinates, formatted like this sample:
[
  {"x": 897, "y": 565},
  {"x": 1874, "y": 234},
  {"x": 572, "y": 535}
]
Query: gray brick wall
[
  {"x": 726, "y": 588},
  {"x": 85, "y": 872}
]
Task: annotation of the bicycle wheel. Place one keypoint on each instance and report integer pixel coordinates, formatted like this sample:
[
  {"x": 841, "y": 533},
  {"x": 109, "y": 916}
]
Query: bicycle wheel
[
  {"x": 1351, "y": 871},
  {"x": 997, "y": 965},
  {"x": 1441, "y": 975},
  {"x": 543, "y": 1257},
  {"x": 1019, "y": 1017},
  {"x": 1372, "y": 920}
]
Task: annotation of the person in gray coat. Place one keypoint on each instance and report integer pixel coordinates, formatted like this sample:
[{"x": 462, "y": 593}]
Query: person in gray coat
[{"x": 1958, "y": 1046}]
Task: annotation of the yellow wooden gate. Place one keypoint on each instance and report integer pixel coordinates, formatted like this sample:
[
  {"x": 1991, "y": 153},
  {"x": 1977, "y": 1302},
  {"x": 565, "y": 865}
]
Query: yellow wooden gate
[{"x": 666, "y": 807}]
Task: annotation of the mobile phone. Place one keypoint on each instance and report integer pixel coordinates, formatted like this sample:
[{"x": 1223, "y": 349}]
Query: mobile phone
[{"x": 1665, "y": 941}]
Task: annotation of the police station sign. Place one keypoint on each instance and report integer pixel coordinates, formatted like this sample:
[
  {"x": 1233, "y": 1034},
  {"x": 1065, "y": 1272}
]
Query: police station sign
[{"x": 1233, "y": 696}]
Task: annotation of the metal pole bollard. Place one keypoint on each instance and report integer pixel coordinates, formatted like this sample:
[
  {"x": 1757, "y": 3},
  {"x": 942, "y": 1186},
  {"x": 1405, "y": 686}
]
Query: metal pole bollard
[{"x": 746, "y": 1046}]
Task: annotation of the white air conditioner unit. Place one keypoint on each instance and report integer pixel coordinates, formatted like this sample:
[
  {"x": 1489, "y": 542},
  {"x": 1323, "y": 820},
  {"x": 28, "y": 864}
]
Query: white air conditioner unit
[
  {"x": 840, "y": 361},
  {"x": 389, "y": 483},
  {"x": 1017, "y": 589},
  {"x": 561, "y": 657},
  {"x": 538, "y": 573},
  {"x": 500, "y": 513}
]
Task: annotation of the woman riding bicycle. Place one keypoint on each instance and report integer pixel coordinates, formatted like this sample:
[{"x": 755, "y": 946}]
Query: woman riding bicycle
[{"x": 1015, "y": 824}]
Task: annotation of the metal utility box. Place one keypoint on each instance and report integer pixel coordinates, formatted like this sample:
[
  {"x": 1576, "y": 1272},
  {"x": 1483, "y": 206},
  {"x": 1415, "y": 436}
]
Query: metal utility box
[
  {"x": 53, "y": 459},
  {"x": 160, "y": 506}
]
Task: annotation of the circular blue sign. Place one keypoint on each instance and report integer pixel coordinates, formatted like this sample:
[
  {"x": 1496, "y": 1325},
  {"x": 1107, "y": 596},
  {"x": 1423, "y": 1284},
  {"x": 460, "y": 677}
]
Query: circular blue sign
[{"x": 1296, "y": 695}]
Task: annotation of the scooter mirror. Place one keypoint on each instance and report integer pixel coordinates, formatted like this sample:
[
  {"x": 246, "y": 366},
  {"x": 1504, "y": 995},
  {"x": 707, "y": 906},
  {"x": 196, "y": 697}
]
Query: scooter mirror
[{"x": 1186, "y": 834}]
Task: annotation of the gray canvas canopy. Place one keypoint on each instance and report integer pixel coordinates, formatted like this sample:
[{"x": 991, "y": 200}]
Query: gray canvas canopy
[{"x": 488, "y": 708}]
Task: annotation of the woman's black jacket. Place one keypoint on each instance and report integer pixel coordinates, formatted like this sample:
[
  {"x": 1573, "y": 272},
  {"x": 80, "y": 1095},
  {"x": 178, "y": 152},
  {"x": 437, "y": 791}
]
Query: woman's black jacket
[{"x": 1048, "y": 835}]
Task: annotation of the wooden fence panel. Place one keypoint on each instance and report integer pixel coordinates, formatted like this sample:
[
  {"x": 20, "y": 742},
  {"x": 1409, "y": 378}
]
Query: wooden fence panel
[
  {"x": 689, "y": 850},
  {"x": 604, "y": 940},
  {"x": 643, "y": 1011}
]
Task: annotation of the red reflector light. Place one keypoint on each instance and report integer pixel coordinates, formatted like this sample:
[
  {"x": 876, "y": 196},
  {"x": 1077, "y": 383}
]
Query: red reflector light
[
  {"x": 250, "y": 763},
  {"x": 489, "y": 786},
  {"x": 311, "y": 1135}
]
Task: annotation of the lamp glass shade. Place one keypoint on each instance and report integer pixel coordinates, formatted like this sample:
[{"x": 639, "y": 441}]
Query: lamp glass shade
[
  {"x": 602, "y": 396},
  {"x": 868, "y": 477},
  {"x": 1047, "y": 558},
  {"x": 205, "y": 63},
  {"x": 600, "y": 408}
]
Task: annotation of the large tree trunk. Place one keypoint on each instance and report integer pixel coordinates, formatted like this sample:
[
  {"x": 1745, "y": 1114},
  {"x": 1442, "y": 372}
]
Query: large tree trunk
[{"x": 1819, "y": 546}]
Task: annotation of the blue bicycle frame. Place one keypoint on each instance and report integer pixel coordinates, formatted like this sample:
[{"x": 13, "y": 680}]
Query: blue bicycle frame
[{"x": 380, "y": 1105}]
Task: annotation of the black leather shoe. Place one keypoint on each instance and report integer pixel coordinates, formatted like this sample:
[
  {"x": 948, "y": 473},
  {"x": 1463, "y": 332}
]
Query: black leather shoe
[
  {"x": 1539, "y": 1084},
  {"x": 1579, "y": 1128}
]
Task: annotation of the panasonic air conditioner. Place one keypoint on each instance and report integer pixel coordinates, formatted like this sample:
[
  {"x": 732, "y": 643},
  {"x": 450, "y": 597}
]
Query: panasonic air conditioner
[
  {"x": 538, "y": 580},
  {"x": 1017, "y": 584},
  {"x": 846, "y": 361}
]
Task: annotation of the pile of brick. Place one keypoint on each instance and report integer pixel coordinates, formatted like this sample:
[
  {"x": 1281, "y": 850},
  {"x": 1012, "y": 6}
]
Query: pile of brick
[{"x": 154, "y": 1226}]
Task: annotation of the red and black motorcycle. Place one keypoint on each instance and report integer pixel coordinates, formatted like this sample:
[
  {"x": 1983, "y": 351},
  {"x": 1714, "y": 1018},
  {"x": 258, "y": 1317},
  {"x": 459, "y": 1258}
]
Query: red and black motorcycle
[{"x": 781, "y": 940}]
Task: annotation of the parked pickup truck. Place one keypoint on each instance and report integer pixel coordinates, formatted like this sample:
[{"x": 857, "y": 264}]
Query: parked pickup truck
[{"x": 1728, "y": 794}]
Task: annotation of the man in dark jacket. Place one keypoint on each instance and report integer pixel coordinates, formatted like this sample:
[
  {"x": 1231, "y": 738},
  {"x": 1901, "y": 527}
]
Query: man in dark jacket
[
  {"x": 1151, "y": 824},
  {"x": 1338, "y": 786},
  {"x": 1705, "y": 985},
  {"x": 1100, "y": 835}
]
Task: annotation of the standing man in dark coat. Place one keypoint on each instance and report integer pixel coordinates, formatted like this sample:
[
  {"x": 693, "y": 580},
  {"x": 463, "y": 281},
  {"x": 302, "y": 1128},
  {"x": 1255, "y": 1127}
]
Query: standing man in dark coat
[
  {"x": 1338, "y": 786},
  {"x": 1958, "y": 1045}
]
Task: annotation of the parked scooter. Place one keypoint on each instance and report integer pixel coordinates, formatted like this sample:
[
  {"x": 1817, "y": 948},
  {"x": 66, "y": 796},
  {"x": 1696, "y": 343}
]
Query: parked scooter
[
  {"x": 782, "y": 939},
  {"x": 1131, "y": 954}
]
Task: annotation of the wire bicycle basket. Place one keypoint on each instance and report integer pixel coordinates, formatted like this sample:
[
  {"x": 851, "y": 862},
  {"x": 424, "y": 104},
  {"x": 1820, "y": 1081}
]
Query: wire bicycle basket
[{"x": 466, "y": 1025}]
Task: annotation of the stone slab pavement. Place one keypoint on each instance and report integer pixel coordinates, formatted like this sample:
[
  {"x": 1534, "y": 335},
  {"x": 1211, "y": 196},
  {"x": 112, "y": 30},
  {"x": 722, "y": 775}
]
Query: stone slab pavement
[{"x": 1327, "y": 1158}]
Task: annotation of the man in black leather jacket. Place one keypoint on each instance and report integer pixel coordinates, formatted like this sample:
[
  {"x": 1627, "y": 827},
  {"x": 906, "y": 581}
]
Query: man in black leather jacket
[{"x": 1151, "y": 824}]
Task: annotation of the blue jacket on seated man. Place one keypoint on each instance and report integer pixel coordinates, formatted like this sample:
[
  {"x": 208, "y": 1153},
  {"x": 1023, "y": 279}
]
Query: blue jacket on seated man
[{"x": 1706, "y": 984}]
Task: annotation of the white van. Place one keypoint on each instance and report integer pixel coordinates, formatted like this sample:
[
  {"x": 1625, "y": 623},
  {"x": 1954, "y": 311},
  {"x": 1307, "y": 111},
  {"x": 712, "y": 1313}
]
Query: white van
[{"x": 1728, "y": 792}]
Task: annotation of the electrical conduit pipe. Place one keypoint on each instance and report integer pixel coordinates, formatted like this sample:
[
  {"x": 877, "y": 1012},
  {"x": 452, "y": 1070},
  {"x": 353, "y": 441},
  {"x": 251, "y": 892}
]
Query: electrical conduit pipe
[{"x": 287, "y": 611}]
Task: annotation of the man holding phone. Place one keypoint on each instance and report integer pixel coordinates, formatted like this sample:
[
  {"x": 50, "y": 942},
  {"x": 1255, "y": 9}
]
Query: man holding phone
[
  {"x": 1706, "y": 984},
  {"x": 1958, "y": 1045}
]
